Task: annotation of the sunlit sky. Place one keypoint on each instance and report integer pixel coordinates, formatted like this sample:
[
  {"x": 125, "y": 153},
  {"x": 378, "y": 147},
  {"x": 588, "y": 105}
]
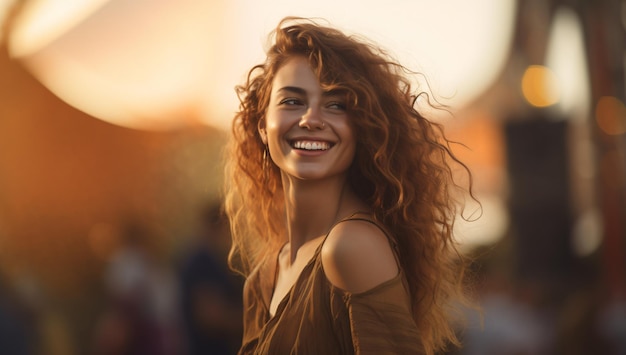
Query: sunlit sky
[{"x": 157, "y": 64}]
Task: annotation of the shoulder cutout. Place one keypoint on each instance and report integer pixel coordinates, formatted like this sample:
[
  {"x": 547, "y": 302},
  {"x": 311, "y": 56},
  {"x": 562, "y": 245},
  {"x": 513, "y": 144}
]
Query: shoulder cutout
[{"x": 357, "y": 256}]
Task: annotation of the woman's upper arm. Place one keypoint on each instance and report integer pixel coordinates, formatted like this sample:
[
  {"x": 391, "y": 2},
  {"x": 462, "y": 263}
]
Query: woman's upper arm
[{"x": 357, "y": 257}]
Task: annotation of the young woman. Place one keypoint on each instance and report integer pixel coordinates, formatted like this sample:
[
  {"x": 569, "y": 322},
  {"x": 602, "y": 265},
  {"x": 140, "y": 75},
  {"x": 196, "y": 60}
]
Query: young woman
[{"x": 339, "y": 196}]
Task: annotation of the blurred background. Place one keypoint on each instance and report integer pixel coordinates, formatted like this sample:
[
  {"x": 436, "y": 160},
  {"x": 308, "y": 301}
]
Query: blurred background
[{"x": 113, "y": 115}]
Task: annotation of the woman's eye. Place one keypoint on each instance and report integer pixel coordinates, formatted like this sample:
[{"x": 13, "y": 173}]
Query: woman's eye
[
  {"x": 337, "y": 106},
  {"x": 291, "y": 102}
]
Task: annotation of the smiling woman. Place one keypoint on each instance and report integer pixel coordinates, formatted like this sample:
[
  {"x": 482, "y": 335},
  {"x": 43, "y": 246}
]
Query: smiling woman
[
  {"x": 295, "y": 129},
  {"x": 339, "y": 196}
]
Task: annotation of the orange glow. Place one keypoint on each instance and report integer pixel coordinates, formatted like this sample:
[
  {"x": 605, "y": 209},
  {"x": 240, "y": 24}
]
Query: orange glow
[
  {"x": 5, "y": 6},
  {"x": 482, "y": 149},
  {"x": 103, "y": 239},
  {"x": 539, "y": 86},
  {"x": 611, "y": 115}
]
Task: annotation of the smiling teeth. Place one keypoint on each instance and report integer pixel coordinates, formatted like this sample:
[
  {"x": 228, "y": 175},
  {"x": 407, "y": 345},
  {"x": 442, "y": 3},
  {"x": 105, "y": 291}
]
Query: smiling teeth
[{"x": 307, "y": 145}]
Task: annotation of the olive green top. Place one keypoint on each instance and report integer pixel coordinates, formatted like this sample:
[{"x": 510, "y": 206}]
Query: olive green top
[{"x": 316, "y": 317}]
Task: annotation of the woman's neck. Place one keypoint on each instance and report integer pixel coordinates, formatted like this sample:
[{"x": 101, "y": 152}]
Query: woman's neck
[{"x": 313, "y": 207}]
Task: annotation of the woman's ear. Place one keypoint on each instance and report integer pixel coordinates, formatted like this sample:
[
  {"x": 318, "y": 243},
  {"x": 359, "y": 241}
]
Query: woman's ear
[{"x": 262, "y": 132}]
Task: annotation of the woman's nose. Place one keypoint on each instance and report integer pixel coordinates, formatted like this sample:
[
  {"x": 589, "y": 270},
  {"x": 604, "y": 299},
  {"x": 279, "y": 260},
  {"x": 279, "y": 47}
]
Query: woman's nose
[{"x": 312, "y": 119}]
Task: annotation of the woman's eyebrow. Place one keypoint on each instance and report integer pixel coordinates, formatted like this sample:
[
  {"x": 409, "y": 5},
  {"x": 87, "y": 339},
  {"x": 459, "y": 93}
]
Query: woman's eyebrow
[
  {"x": 301, "y": 91},
  {"x": 292, "y": 89},
  {"x": 334, "y": 92}
]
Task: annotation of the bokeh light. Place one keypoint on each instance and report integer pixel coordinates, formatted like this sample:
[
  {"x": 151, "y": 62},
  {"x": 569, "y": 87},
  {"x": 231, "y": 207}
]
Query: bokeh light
[
  {"x": 567, "y": 60},
  {"x": 177, "y": 64},
  {"x": 611, "y": 115},
  {"x": 587, "y": 234},
  {"x": 539, "y": 86}
]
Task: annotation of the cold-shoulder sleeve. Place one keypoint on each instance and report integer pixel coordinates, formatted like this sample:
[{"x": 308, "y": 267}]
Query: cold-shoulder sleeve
[{"x": 381, "y": 321}]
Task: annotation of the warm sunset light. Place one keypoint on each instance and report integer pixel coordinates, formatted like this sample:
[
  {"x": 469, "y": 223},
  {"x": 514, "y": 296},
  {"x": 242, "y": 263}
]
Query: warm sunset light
[
  {"x": 539, "y": 86},
  {"x": 160, "y": 64},
  {"x": 611, "y": 115},
  {"x": 121, "y": 178},
  {"x": 5, "y": 5},
  {"x": 40, "y": 22}
]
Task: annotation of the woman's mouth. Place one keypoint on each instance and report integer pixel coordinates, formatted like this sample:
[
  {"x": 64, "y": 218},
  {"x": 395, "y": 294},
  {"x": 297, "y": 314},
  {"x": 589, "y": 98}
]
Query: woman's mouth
[{"x": 310, "y": 145}]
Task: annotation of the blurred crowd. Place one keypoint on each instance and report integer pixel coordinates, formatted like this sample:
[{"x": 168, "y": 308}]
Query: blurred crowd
[{"x": 190, "y": 306}]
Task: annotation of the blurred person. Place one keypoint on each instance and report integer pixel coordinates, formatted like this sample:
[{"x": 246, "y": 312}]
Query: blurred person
[
  {"x": 55, "y": 333},
  {"x": 339, "y": 194},
  {"x": 210, "y": 292},
  {"x": 29, "y": 322},
  {"x": 18, "y": 322},
  {"x": 611, "y": 321},
  {"x": 141, "y": 315},
  {"x": 510, "y": 323}
]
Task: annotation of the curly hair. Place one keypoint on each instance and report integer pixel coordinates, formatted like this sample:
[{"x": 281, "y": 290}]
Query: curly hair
[{"x": 402, "y": 168}]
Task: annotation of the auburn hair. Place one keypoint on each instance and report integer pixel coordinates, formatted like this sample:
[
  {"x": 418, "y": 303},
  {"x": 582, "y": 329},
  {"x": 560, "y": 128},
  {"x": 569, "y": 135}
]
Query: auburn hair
[{"x": 402, "y": 168}]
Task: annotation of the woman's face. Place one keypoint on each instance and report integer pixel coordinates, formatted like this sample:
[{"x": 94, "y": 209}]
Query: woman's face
[{"x": 307, "y": 129}]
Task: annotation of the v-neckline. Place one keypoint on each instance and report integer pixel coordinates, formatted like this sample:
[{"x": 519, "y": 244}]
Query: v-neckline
[
  {"x": 275, "y": 262},
  {"x": 297, "y": 280}
]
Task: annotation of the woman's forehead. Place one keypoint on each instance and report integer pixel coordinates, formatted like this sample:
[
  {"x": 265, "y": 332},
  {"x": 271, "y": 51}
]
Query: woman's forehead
[
  {"x": 296, "y": 74},
  {"x": 297, "y": 71}
]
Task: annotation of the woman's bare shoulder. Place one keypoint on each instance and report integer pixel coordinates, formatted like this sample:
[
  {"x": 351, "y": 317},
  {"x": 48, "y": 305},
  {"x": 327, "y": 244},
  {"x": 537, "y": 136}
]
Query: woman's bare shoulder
[{"x": 357, "y": 256}]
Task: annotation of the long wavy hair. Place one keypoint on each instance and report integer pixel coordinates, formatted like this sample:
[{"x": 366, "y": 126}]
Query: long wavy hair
[{"x": 402, "y": 168}]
